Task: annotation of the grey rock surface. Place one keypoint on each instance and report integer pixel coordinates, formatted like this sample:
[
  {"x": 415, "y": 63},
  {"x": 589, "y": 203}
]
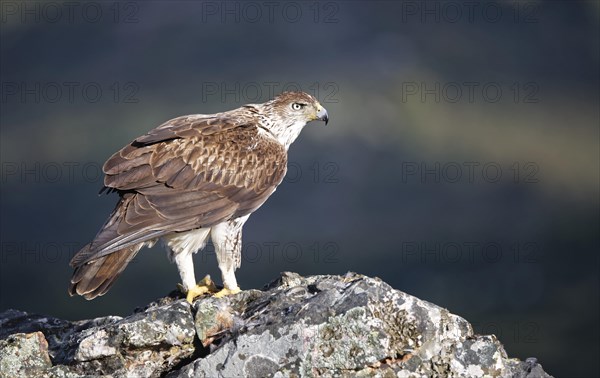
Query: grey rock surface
[{"x": 296, "y": 326}]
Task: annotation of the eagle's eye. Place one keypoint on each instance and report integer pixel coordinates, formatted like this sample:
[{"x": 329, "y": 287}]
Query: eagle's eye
[{"x": 297, "y": 106}]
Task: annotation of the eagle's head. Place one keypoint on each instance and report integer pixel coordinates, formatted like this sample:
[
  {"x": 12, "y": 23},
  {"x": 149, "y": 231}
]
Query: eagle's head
[{"x": 286, "y": 114}]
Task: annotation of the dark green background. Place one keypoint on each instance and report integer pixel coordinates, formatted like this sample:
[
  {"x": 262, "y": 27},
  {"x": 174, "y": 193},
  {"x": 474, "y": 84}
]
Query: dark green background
[{"x": 516, "y": 256}]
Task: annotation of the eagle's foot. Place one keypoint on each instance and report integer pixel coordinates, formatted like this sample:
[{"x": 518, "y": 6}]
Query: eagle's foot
[
  {"x": 225, "y": 291},
  {"x": 204, "y": 286}
]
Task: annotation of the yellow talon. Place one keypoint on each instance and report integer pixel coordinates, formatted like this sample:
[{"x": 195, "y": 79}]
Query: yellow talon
[
  {"x": 206, "y": 285},
  {"x": 224, "y": 292},
  {"x": 203, "y": 287}
]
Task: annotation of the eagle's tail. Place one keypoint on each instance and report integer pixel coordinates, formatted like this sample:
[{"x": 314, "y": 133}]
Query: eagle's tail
[{"x": 94, "y": 278}]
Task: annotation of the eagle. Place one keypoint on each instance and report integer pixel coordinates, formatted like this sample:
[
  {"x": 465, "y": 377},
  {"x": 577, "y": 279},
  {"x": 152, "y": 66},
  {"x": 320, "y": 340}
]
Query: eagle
[{"x": 193, "y": 177}]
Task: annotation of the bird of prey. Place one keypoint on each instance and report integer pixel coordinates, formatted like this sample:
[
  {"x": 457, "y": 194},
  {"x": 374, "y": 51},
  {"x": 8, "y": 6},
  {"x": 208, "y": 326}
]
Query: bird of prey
[{"x": 193, "y": 177}]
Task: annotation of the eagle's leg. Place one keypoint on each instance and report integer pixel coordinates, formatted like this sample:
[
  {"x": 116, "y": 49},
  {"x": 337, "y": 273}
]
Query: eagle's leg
[
  {"x": 227, "y": 239},
  {"x": 185, "y": 265},
  {"x": 182, "y": 246}
]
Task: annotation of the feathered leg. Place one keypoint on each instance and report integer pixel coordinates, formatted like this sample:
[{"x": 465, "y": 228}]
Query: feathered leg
[
  {"x": 182, "y": 247},
  {"x": 227, "y": 239}
]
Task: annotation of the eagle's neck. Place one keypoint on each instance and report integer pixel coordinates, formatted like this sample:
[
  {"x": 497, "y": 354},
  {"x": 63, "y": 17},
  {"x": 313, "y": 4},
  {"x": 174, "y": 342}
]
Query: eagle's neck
[
  {"x": 287, "y": 134},
  {"x": 281, "y": 130}
]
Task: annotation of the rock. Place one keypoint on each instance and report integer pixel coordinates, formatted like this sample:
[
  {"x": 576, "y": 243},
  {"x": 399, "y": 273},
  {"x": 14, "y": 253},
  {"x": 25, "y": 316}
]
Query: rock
[
  {"x": 24, "y": 354},
  {"x": 348, "y": 325},
  {"x": 147, "y": 343}
]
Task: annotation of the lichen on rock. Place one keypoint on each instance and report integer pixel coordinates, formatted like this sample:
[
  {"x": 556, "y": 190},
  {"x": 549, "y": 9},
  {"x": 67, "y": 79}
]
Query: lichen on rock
[{"x": 349, "y": 325}]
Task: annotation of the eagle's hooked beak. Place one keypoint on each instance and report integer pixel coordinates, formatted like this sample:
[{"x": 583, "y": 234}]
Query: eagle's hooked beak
[{"x": 322, "y": 114}]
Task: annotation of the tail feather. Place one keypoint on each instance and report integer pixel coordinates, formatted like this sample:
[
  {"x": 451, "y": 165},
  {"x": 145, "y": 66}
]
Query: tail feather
[
  {"x": 95, "y": 277},
  {"x": 98, "y": 264}
]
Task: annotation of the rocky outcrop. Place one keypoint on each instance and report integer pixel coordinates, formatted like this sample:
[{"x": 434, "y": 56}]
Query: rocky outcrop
[{"x": 314, "y": 326}]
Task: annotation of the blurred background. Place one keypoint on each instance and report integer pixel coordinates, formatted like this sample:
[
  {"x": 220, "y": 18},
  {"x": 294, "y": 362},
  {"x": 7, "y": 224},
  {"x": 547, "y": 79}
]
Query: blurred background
[{"x": 460, "y": 164}]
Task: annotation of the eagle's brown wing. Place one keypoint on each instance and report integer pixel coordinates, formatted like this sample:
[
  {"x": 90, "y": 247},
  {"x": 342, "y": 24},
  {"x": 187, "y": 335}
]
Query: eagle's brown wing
[{"x": 191, "y": 172}]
